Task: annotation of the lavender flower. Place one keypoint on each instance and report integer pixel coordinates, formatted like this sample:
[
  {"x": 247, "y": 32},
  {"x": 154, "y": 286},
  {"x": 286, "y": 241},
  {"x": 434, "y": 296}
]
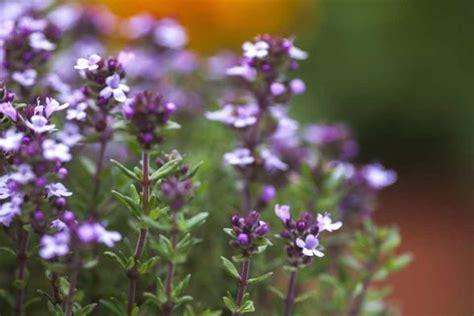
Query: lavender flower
[
  {"x": 11, "y": 140},
  {"x": 377, "y": 177},
  {"x": 249, "y": 233},
  {"x": 55, "y": 246},
  {"x": 115, "y": 88},
  {"x": 309, "y": 246},
  {"x": 239, "y": 157},
  {"x": 91, "y": 63},
  {"x": 57, "y": 189}
]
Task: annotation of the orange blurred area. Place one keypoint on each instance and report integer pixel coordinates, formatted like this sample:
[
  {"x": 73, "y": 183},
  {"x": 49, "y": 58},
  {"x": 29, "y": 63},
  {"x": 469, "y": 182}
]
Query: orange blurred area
[{"x": 217, "y": 24}]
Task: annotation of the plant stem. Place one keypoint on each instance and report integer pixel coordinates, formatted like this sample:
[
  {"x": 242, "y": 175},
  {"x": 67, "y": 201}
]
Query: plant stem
[
  {"x": 98, "y": 171},
  {"x": 75, "y": 267},
  {"x": 132, "y": 273},
  {"x": 168, "y": 306},
  {"x": 55, "y": 286},
  {"x": 356, "y": 303},
  {"x": 290, "y": 295},
  {"x": 21, "y": 260},
  {"x": 243, "y": 282}
]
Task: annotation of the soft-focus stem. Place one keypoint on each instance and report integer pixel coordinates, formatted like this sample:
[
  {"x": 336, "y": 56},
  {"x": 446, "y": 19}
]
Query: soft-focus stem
[
  {"x": 132, "y": 273},
  {"x": 22, "y": 257},
  {"x": 75, "y": 267},
  {"x": 246, "y": 197},
  {"x": 243, "y": 282},
  {"x": 98, "y": 171},
  {"x": 55, "y": 288},
  {"x": 355, "y": 305},
  {"x": 168, "y": 307},
  {"x": 290, "y": 295}
]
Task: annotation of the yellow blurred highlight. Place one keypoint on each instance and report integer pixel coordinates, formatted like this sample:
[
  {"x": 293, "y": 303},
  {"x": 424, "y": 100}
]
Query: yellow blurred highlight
[{"x": 214, "y": 24}]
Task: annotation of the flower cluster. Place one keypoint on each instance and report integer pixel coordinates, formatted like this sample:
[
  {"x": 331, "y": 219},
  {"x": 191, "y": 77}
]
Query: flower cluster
[
  {"x": 249, "y": 233},
  {"x": 68, "y": 228},
  {"x": 147, "y": 113},
  {"x": 35, "y": 161},
  {"x": 302, "y": 236}
]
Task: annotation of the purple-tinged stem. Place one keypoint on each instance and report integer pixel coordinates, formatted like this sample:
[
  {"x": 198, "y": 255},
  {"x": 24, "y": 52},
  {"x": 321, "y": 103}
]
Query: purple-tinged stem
[
  {"x": 168, "y": 307},
  {"x": 75, "y": 267},
  {"x": 290, "y": 295},
  {"x": 22, "y": 257},
  {"x": 55, "y": 288},
  {"x": 355, "y": 305},
  {"x": 243, "y": 282},
  {"x": 132, "y": 273}
]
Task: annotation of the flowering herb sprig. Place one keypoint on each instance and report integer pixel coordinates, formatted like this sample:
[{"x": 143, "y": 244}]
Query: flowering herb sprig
[
  {"x": 249, "y": 237},
  {"x": 302, "y": 244}
]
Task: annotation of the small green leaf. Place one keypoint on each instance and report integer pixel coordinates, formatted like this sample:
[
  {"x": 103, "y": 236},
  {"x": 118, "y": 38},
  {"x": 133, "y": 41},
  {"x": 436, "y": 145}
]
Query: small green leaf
[
  {"x": 129, "y": 173},
  {"x": 166, "y": 169},
  {"x": 260, "y": 278},
  {"x": 229, "y": 303},
  {"x": 172, "y": 125},
  {"x": 133, "y": 207},
  {"x": 8, "y": 250},
  {"x": 230, "y": 268},
  {"x": 196, "y": 220},
  {"x": 247, "y": 307},
  {"x": 117, "y": 259}
]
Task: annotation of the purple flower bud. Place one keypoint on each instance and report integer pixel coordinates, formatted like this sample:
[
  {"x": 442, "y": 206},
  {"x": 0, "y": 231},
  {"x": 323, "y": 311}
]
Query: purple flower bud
[
  {"x": 170, "y": 107},
  {"x": 293, "y": 65},
  {"x": 285, "y": 234},
  {"x": 268, "y": 194},
  {"x": 243, "y": 239},
  {"x": 40, "y": 182},
  {"x": 277, "y": 88},
  {"x": 38, "y": 215},
  {"x": 103, "y": 101},
  {"x": 62, "y": 172},
  {"x": 301, "y": 225},
  {"x": 266, "y": 68},
  {"x": 235, "y": 220},
  {"x": 297, "y": 86},
  {"x": 147, "y": 138},
  {"x": 61, "y": 202},
  {"x": 69, "y": 217},
  {"x": 252, "y": 218},
  {"x": 13, "y": 186},
  {"x": 262, "y": 229},
  {"x": 9, "y": 97}
]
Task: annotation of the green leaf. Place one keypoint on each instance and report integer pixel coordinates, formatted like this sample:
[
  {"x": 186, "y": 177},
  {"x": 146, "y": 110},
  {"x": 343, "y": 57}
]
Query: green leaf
[
  {"x": 117, "y": 259},
  {"x": 8, "y": 251},
  {"x": 182, "y": 285},
  {"x": 172, "y": 125},
  {"x": 86, "y": 310},
  {"x": 196, "y": 220},
  {"x": 114, "y": 307},
  {"x": 230, "y": 268},
  {"x": 305, "y": 296},
  {"x": 399, "y": 262},
  {"x": 166, "y": 169},
  {"x": 229, "y": 303},
  {"x": 193, "y": 171},
  {"x": 260, "y": 278},
  {"x": 147, "y": 265},
  {"x": 129, "y": 173},
  {"x": 133, "y": 207},
  {"x": 230, "y": 232},
  {"x": 88, "y": 165},
  {"x": 392, "y": 240},
  {"x": 247, "y": 307}
]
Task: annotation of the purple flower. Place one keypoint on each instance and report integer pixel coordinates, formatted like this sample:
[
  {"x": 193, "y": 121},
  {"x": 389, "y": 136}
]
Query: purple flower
[
  {"x": 297, "y": 86},
  {"x": 268, "y": 193},
  {"x": 237, "y": 116},
  {"x": 57, "y": 189},
  {"x": 10, "y": 209},
  {"x": 258, "y": 50},
  {"x": 90, "y": 63},
  {"x": 7, "y": 109},
  {"x": 11, "y": 140},
  {"x": 53, "y": 106},
  {"x": 169, "y": 33},
  {"x": 325, "y": 223},
  {"x": 271, "y": 161},
  {"x": 23, "y": 174},
  {"x": 115, "y": 88},
  {"x": 54, "y": 246},
  {"x": 277, "y": 88},
  {"x": 243, "y": 239},
  {"x": 94, "y": 232},
  {"x": 26, "y": 78},
  {"x": 283, "y": 212},
  {"x": 59, "y": 225},
  {"x": 69, "y": 135},
  {"x": 239, "y": 157},
  {"x": 378, "y": 177},
  {"x": 138, "y": 26},
  {"x": 56, "y": 151},
  {"x": 309, "y": 246}
]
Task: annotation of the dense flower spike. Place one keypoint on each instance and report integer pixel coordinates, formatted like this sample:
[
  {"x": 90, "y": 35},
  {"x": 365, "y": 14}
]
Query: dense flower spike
[
  {"x": 249, "y": 233},
  {"x": 148, "y": 113},
  {"x": 302, "y": 236}
]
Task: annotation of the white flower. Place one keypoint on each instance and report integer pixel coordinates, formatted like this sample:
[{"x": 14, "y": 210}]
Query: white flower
[
  {"x": 325, "y": 223},
  {"x": 244, "y": 71},
  {"x": 237, "y": 116},
  {"x": 55, "y": 151},
  {"x": 93, "y": 232},
  {"x": 309, "y": 246},
  {"x": 257, "y": 50},
  {"x": 78, "y": 112},
  {"x": 90, "y": 63},
  {"x": 115, "y": 88},
  {"x": 170, "y": 34},
  {"x": 11, "y": 140},
  {"x": 282, "y": 212},
  {"x": 57, "y": 189},
  {"x": 39, "y": 124},
  {"x": 378, "y": 177},
  {"x": 53, "y": 106},
  {"x": 4, "y": 190},
  {"x": 56, "y": 245},
  {"x": 39, "y": 41},
  {"x": 69, "y": 135},
  {"x": 10, "y": 209},
  {"x": 23, "y": 174},
  {"x": 26, "y": 78},
  {"x": 297, "y": 53},
  {"x": 239, "y": 157}
]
